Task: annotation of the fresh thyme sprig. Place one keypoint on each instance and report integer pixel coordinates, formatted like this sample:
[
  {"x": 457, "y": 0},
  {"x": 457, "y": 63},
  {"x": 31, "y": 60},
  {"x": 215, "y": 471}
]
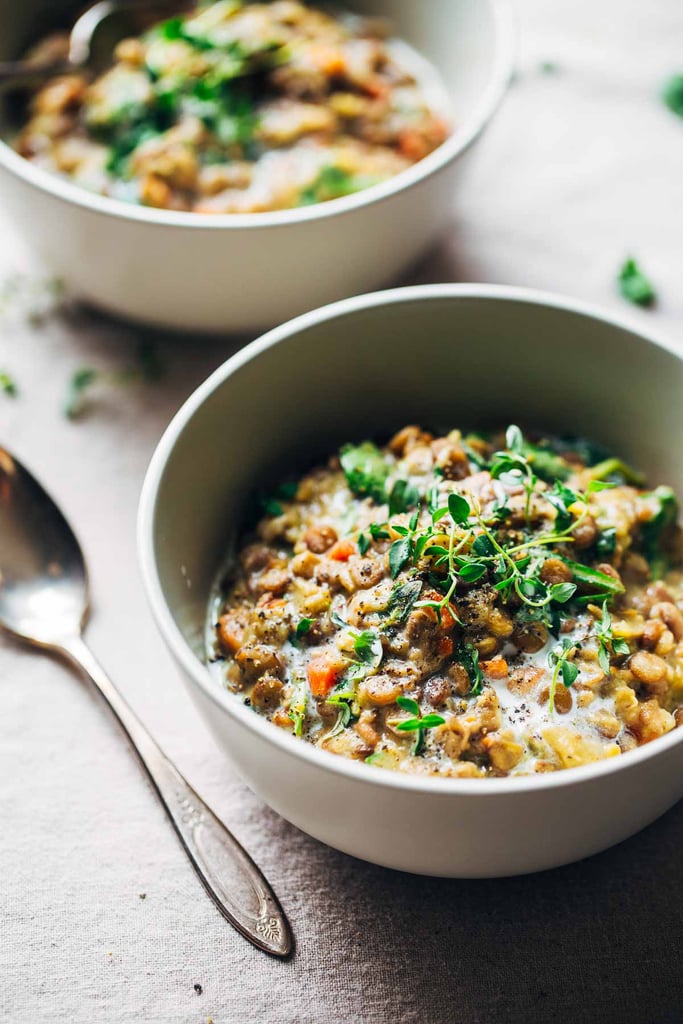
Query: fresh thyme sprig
[
  {"x": 608, "y": 644},
  {"x": 468, "y": 655},
  {"x": 560, "y": 659},
  {"x": 452, "y": 541},
  {"x": 418, "y": 723},
  {"x": 513, "y": 466},
  {"x": 471, "y": 547},
  {"x": 298, "y": 704},
  {"x": 366, "y": 659}
]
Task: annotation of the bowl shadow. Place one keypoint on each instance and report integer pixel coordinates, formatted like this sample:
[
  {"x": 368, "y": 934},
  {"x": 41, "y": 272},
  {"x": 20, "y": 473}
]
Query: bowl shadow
[{"x": 594, "y": 942}]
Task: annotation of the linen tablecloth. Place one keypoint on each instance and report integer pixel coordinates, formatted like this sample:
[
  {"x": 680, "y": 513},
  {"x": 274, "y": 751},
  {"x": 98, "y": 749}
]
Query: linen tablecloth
[{"x": 102, "y": 919}]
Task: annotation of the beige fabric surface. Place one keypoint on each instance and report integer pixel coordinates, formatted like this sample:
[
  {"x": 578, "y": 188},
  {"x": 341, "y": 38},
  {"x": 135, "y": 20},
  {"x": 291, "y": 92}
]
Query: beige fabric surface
[{"x": 582, "y": 167}]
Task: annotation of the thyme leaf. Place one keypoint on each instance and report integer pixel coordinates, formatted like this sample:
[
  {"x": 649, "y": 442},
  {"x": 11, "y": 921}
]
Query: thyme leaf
[
  {"x": 403, "y": 497},
  {"x": 366, "y": 470},
  {"x": 560, "y": 661},
  {"x": 635, "y": 286},
  {"x": 402, "y": 599},
  {"x": 399, "y": 554},
  {"x": 468, "y": 656},
  {"x": 8, "y": 385},
  {"x": 672, "y": 94},
  {"x": 608, "y": 644},
  {"x": 81, "y": 381},
  {"x": 418, "y": 723}
]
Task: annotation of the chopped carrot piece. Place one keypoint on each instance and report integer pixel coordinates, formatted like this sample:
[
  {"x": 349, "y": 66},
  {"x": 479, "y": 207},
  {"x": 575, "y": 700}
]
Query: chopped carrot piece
[
  {"x": 335, "y": 66},
  {"x": 342, "y": 550},
  {"x": 445, "y": 647},
  {"x": 376, "y": 88},
  {"x": 323, "y": 672},
  {"x": 330, "y": 60},
  {"x": 496, "y": 668},
  {"x": 412, "y": 144},
  {"x": 231, "y": 632}
]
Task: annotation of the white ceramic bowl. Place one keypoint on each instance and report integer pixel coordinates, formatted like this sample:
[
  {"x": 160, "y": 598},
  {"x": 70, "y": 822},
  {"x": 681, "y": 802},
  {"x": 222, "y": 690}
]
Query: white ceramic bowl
[
  {"x": 453, "y": 355},
  {"x": 235, "y": 272}
]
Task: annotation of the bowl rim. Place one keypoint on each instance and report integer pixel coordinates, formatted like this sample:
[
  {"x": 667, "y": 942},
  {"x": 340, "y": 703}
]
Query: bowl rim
[
  {"x": 199, "y": 673},
  {"x": 504, "y": 54}
]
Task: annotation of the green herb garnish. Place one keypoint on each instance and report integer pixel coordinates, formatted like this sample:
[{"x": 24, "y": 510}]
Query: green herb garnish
[
  {"x": 298, "y": 704},
  {"x": 606, "y": 543},
  {"x": 366, "y": 470},
  {"x": 271, "y": 507},
  {"x": 148, "y": 370},
  {"x": 367, "y": 647},
  {"x": 399, "y": 555},
  {"x": 655, "y": 532},
  {"x": 403, "y": 497},
  {"x": 562, "y": 498},
  {"x": 672, "y": 94},
  {"x": 614, "y": 471},
  {"x": 475, "y": 547},
  {"x": 81, "y": 381},
  {"x": 418, "y": 723},
  {"x": 560, "y": 659},
  {"x": 547, "y": 464},
  {"x": 513, "y": 466},
  {"x": 401, "y": 602},
  {"x": 345, "y": 703},
  {"x": 468, "y": 656},
  {"x": 599, "y": 584},
  {"x": 331, "y": 183},
  {"x": 287, "y": 491},
  {"x": 608, "y": 644},
  {"x": 8, "y": 385},
  {"x": 272, "y": 504},
  {"x": 635, "y": 286}
]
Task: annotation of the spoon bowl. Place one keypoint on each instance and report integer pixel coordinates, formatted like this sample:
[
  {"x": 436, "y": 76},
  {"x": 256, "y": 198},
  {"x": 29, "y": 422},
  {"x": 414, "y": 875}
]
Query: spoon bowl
[{"x": 44, "y": 591}]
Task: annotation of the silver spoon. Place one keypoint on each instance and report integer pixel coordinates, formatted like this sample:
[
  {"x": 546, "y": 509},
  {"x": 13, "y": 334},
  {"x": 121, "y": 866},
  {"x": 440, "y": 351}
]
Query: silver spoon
[
  {"x": 91, "y": 40},
  {"x": 44, "y": 601}
]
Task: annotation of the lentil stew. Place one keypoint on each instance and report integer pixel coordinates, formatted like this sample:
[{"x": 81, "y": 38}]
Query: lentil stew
[
  {"x": 461, "y": 606},
  {"x": 240, "y": 108}
]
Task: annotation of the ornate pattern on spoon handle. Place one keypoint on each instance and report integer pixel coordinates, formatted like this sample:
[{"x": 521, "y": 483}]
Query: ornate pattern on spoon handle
[{"x": 228, "y": 873}]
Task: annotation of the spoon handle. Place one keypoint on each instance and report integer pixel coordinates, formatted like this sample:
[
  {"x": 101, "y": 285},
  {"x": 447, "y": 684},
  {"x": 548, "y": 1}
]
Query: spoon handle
[
  {"x": 228, "y": 873},
  {"x": 23, "y": 72}
]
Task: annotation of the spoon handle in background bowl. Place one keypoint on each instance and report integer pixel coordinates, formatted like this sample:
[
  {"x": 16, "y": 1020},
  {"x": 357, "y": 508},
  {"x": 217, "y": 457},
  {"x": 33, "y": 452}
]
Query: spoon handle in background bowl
[
  {"x": 228, "y": 873},
  {"x": 23, "y": 72}
]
